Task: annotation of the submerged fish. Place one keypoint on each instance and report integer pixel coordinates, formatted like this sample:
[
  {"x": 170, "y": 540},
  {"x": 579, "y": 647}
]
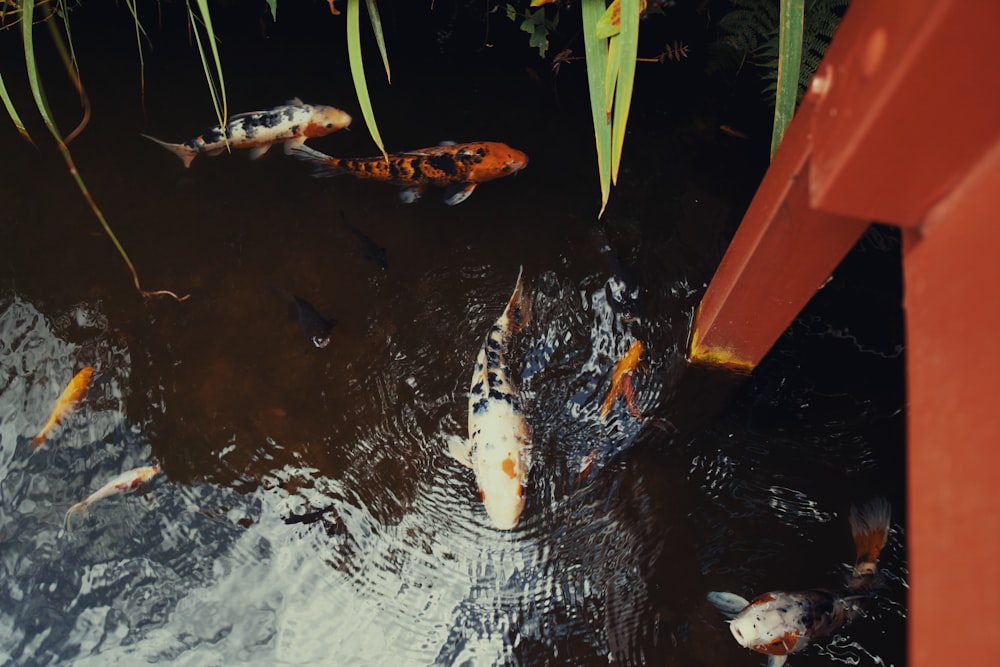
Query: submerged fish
[
  {"x": 458, "y": 168},
  {"x": 74, "y": 391},
  {"x": 499, "y": 446},
  {"x": 372, "y": 251},
  {"x": 123, "y": 483},
  {"x": 621, "y": 381},
  {"x": 780, "y": 623},
  {"x": 314, "y": 325},
  {"x": 291, "y": 124}
]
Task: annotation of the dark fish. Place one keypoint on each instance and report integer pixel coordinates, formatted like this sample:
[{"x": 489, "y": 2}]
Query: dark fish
[
  {"x": 372, "y": 251},
  {"x": 315, "y": 327},
  {"x": 622, "y": 288}
]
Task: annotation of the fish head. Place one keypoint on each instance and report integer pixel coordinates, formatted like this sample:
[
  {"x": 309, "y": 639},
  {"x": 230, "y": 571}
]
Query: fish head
[
  {"x": 501, "y": 486},
  {"x": 773, "y": 624},
  {"x": 490, "y": 160},
  {"x": 325, "y": 120}
]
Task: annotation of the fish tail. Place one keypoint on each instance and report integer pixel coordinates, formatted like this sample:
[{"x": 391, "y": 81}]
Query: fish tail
[
  {"x": 323, "y": 164},
  {"x": 870, "y": 528},
  {"x": 79, "y": 507},
  {"x": 517, "y": 314},
  {"x": 185, "y": 153}
]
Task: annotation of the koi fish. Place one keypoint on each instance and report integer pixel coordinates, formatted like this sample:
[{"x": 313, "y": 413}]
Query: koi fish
[
  {"x": 458, "y": 168},
  {"x": 621, "y": 381},
  {"x": 123, "y": 483},
  {"x": 71, "y": 395},
  {"x": 314, "y": 325},
  {"x": 733, "y": 132},
  {"x": 291, "y": 124},
  {"x": 780, "y": 623},
  {"x": 499, "y": 445}
]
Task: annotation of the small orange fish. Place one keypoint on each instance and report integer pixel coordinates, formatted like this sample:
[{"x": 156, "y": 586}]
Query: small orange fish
[
  {"x": 621, "y": 381},
  {"x": 71, "y": 395},
  {"x": 123, "y": 483},
  {"x": 733, "y": 132}
]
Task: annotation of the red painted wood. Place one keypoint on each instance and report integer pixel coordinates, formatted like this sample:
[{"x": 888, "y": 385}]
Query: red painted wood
[
  {"x": 781, "y": 254},
  {"x": 910, "y": 96},
  {"x": 953, "y": 369}
]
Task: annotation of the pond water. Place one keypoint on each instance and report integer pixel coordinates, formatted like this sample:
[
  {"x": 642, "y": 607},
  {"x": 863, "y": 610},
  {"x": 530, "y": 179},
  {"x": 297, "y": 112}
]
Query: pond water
[{"x": 308, "y": 511}]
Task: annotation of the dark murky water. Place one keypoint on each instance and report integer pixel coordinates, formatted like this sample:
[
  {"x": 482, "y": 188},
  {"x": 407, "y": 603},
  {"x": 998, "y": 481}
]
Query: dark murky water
[{"x": 389, "y": 557}]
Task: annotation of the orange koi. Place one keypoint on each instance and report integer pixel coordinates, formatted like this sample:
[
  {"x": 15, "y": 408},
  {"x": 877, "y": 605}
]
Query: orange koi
[
  {"x": 290, "y": 124},
  {"x": 123, "y": 483},
  {"x": 458, "y": 168},
  {"x": 71, "y": 395},
  {"x": 621, "y": 381}
]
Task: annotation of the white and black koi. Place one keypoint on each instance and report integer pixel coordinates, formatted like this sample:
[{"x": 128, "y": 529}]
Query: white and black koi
[
  {"x": 123, "y": 483},
  {"x": 499, "y": 446},
  {"x": 290, "y": 124},
  {"x": 779, "y": 623}
]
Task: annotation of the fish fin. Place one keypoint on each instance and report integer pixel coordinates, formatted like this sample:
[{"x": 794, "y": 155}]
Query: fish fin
[
  {"x": 518, "y": 310},
  {"x": 458, "y": 193},
  {"x": 185, "y": 153},
  {"x": 776, "y": 660},
  {"x": 295, "y": 102},
  {"x": 730, "y": 604},
  {"x": 870, "y": 529},
  {"x": 447, "y": 142},
  {"x": 460, "y": 449},
  {"x": 38, "y": 441},
  {"x": 215, "y": 151},
  {"x": 75, "y": 509},
  {"x": 410, "y": 195},
  {"x": 257, "y": 151},
  {"x": 323, "y": 164},
  {"x": 290, "y": 144}
]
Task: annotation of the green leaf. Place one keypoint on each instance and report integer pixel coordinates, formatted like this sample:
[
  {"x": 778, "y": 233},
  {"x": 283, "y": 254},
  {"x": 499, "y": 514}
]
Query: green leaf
[
  {"x": 629, "y": 50},
  {"x": 12, "y": 112},
  {"x": 789, "y": 61},
  {"x": 273, "y": 6},
  {"x": 596, "y": 51},
  {"x": 218, "y": 91},
  {"x": 358, "y": 73},
  {"x": 379, "y": 37}
]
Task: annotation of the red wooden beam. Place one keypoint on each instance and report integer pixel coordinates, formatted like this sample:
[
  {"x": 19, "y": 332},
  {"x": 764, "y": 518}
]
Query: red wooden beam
[
  {"x": 953, "y": 367},
  {"x": 781, "y": 254}
]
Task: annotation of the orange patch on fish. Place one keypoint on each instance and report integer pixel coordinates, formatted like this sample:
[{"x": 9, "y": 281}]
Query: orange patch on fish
[{"x": 508, "y": 467}]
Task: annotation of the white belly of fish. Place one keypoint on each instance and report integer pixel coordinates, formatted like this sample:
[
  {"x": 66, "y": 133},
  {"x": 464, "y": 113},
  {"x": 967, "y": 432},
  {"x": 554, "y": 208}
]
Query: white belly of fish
[{"x": 501, "y": 442}]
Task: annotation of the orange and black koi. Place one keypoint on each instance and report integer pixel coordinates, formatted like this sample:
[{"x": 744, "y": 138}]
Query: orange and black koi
[
  {"x": 458, "y": 168},
  {"x": 290, "y": 124}
]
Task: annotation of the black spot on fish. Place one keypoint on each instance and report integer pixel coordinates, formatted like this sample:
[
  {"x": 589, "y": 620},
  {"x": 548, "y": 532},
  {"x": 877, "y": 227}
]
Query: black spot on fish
[
  {"x": 494, "y": 379},
  {"x": 492, "y": 359},
  {"x": 493, "y": 344},
  {"x": 480, "y": 406},
  {"x": 444, "y": 163},
  {"x": 477, "y": 388}
]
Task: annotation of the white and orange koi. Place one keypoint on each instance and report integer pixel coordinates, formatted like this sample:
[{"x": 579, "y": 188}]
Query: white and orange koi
[
  {"x": 74, "y": 391},
  {"x": 123, "y": 483},
  {"x": 290, "y": 124},
  {"x": 783, "y": 622},
  {"x": 499, "y": 446}
]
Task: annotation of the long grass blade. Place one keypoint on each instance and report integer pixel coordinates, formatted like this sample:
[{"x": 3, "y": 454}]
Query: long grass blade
[
  {"x": 379, "y": 36},
  {"x": 139, "y": 33},
  {"x": 12, "y": 112},
  {"x": 596, "y": 51},
  {"x": 74, "y": 75},
  {"x": 628, "y": 39},
  {"x": 789, "y": 62},
  {"x": 358, "y": 72},
  {"x": 38, "y": 93},
  {"x": 216, "y": 84}
]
